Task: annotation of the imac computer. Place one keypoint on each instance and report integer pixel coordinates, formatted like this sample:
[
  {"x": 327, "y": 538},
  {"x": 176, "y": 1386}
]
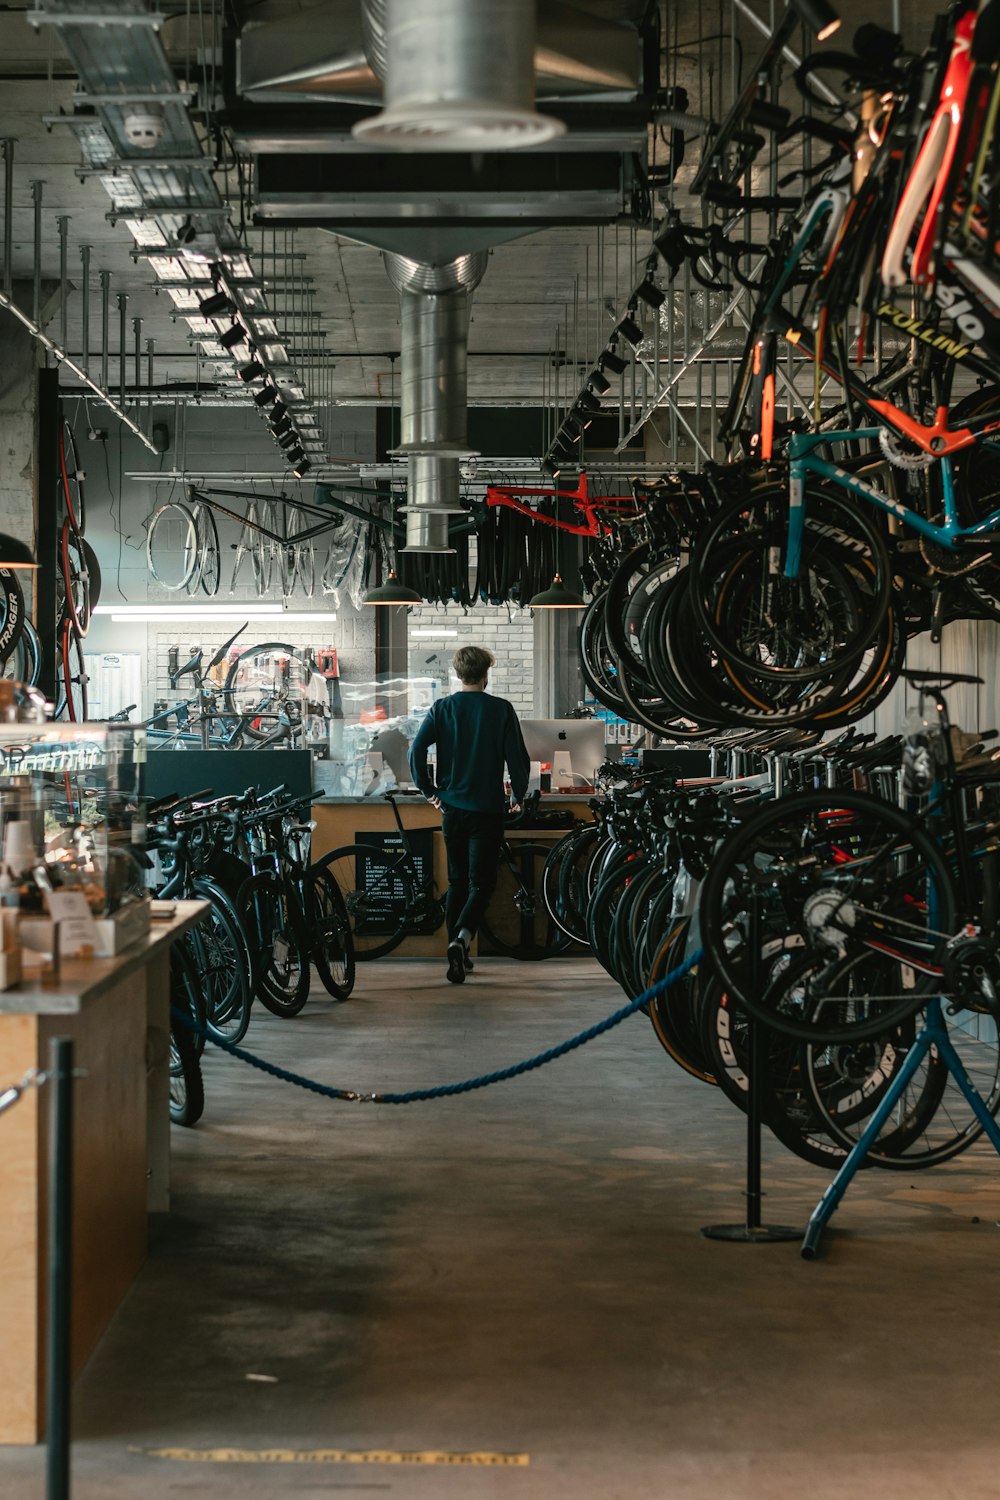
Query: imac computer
[{"x": 574, "y": 748}]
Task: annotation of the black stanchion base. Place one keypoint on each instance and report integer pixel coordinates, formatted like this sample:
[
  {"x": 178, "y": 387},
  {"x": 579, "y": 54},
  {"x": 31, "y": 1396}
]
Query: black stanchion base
[{"x": 763, "y": 1234}]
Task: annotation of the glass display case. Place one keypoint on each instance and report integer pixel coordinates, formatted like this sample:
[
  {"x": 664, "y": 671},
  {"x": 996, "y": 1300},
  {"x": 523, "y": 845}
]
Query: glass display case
[{"x": 70, "y": 819}]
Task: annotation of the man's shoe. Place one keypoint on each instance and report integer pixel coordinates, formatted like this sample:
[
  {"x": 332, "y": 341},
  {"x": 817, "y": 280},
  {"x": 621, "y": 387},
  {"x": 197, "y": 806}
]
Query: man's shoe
[
  {"x": 457, "y": 956},
  {"x": 469, "y": 965}
]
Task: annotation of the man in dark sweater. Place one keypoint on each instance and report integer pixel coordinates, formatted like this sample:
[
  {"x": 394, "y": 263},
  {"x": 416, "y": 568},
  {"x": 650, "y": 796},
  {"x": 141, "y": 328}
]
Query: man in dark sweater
[{"x": 476, "y": 735}]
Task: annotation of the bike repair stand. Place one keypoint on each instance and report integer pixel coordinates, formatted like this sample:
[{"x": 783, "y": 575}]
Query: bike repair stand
[
  {"x": 752, "y": 1231},
  {"x": 933, "y": 1035}
]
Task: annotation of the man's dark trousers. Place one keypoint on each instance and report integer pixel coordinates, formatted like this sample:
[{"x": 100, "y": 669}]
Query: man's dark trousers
[{"x": 472, "y": 841}]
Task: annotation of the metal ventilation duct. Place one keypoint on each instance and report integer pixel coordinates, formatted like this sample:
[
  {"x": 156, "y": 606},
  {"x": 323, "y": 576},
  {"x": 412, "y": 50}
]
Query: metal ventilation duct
[
  {"x": 434, "y": 314},
  {"x": 323, "y": 54},
  {"x": 457, "y": 77}
]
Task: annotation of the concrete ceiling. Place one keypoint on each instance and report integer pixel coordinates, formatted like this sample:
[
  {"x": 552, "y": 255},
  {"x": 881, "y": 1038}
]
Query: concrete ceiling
[{"x": 558, "y": 289}]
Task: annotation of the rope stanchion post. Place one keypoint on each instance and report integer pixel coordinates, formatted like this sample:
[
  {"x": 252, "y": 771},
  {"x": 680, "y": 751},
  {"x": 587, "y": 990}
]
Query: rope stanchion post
[
  {"x": 60, "y": 1266},
  {"x": 752, "y": 1231}
]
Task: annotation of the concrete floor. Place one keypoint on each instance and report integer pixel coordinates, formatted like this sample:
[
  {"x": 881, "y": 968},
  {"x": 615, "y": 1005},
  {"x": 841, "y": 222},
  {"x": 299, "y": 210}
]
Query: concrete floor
[{"x": 519, "y": 1272}]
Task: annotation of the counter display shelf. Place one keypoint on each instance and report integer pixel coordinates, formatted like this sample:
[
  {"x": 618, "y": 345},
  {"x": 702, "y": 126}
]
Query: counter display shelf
[
  {"x": 116, "y": 1011},
  {"x": 339, "y": 821}
]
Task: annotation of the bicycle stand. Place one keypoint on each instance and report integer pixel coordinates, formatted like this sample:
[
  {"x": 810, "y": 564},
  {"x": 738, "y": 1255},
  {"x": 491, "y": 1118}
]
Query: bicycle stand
[
  {"x": 752, "y": 1231},
  {"x": 934, "y": 1033}
]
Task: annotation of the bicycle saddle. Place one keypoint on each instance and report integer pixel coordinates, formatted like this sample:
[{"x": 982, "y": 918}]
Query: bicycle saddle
[
  {"x": 190, "y": 666},
  {"x": 941, "y": 679}
]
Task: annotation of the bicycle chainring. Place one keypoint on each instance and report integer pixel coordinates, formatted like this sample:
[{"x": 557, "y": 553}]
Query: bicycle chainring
[
  {"x": 972, "y": 974},
  {"x": 902, "y": 455}
]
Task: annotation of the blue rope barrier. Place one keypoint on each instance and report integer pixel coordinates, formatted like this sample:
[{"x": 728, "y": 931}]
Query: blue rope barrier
[{"x": 447, "y": 1090}]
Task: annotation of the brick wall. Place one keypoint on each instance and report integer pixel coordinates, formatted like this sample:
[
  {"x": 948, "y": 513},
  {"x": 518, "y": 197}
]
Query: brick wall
[{"x": 509, "y": 635}]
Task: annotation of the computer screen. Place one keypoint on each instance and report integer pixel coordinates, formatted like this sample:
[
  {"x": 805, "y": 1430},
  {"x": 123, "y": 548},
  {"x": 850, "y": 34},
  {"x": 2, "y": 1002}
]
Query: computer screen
[{"x": 581, "y": 739}]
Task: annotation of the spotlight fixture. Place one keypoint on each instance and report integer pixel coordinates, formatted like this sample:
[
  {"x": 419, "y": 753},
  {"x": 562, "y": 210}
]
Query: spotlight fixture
[
  {"x": 302, "y": 467},
  {"x": 289, "y": 439},
  {"x": 589, "y": 401},
  {"x": 650, "y": 293},
  {"x": 597, "y": 382},
  {"x": 630, "y": 330},
  {"x": 565, "y": 442},
  {"x": 266, "y": 396},
  {"x": 15, "y": 554},
  {"x": 295, "y": 454},
  {"x": 233, "y": 336},
  {"x": 217, "y": 305},
  {"x": 573, "y": 426},
  {"x": 278, "y": 410},
  {"x": 392, "y": 592},
  {"x": 819, "y": 16},
  {"x": 609, "y": 360},
  {"x": 281, "y": 426},
  {"x": 557, "y": 596},
  {"x": 249, "y": 372}
]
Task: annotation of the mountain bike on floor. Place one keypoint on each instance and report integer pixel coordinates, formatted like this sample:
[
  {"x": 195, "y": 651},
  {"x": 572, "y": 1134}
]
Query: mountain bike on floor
[{"x": 390, "y": 895}]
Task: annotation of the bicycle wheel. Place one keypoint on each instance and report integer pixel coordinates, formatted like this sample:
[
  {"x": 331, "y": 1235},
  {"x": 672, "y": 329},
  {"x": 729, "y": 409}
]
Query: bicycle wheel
[
  {"x": 13, "y": 622},
  {"x": 516, "y": 921},
  {"x": 787, "y": 1109},
  {"x": 832, "y": 871},
  {"x": 71, "y": 479},
  {"x": 77, "y": 562},
  {"x": 221, "y": 953},
  {"x": 187, "y": 1090},
  {"x": 675, "y": 1015},
  {"x": 172, "y": 546},
  {"x": 283, "y": 959},
  {"x": 802, "y": 629},
  {"x": 562, "y": 880},
  {"x": 73, "y": 676},
  {"x": 332, "y": 941},
  {"x": 24, "y": 662},
  {"x": 209, "y": 559},
  {"x": 261, "y": 681},
  {"x": 378, "y": 895},
  {"x": 932, "y": 1121}
]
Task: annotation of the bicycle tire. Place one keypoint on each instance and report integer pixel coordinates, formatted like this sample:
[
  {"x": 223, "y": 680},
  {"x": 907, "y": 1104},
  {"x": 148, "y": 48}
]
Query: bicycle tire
[
  {"x": 674, "y": 1016},
  {"x": 71, "y": 479},
  {"x": 239, "y": 668},
  {"x": 73, "y": 676},
  {"x": 762, "y": 865},
  {"x": 187, "y": 1088},
  {"x": 283, "y": 957},
  {"x": 226, "y": 965},
  {"x": 516, "y": 921},
  {"x": 171, "y": 531},
  {"x": 932, "y": 1122},
  {"x": 78, "y": 596},
  {"x": 790, "y": 1117},
  {"x": 746, "y": 533},
  {"x": 378, "y": 895},
  {"x": 14, "y": 621},
  {"x": 24, "y": 661},
  {"x": 562, "y": 880},
  {"x": 332, "y": 940}
]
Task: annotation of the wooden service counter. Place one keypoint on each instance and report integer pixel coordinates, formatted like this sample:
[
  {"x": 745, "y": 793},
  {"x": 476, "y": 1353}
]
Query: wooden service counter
[
  {"x": 117, "y": 1011},
  {"x": 339, "y": 820}
]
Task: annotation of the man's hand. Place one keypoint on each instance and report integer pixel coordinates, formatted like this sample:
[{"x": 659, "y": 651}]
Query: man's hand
[
  {"x": 515, "y": 807},
  {"x": 434, "y": 801}
]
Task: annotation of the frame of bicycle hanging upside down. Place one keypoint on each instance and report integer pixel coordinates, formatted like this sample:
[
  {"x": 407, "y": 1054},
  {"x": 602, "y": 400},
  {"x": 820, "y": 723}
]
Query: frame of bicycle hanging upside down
[{"x": 803, "y": 462}]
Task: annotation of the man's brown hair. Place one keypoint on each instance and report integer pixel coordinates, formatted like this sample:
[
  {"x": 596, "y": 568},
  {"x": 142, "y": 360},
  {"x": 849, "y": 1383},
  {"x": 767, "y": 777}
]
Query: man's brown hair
[{"x": 471, "y": 663}]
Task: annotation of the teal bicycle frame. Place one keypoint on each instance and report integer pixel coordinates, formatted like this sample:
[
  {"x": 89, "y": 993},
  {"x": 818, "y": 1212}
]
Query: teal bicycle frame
[{"x": 804, "y": 462}]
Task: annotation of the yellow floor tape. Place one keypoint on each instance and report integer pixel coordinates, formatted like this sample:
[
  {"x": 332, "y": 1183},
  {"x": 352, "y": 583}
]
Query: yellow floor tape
[{"x": 334, "y": 1456}]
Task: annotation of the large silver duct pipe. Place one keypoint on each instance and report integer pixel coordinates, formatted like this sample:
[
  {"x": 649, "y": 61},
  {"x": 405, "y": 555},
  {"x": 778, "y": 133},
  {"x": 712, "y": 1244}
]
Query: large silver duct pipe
[
  {"x": 458, "y": 76},
  {"x": 434, "y": 318}
]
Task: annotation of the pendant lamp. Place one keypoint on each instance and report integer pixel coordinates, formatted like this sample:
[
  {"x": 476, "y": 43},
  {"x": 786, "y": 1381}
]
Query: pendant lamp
[
  {"x": 557, "y": 595},
  {"x": 392, "y": 592}
]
